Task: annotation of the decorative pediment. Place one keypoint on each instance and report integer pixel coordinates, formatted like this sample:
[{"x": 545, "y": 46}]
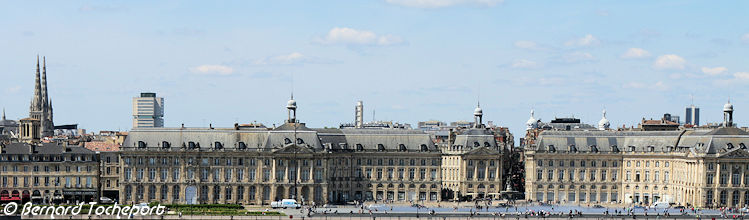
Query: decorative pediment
[
  {"x": 294, "y": 148},
  {"x": 482, "y": 151},
  {"x": 736, "y": 153}
]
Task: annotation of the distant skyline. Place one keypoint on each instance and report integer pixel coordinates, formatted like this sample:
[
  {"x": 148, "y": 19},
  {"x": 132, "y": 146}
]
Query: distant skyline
[{"x": 410, "y": 60}]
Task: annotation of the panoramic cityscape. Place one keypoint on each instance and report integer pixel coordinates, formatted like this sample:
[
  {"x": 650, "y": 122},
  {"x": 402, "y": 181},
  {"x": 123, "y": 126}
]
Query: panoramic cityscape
[{"x": 296, "y": 135}]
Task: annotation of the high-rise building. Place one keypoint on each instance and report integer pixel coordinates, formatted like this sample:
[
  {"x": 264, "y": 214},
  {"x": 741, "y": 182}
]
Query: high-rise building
[
  {"x": 148, "y": 111},
  {"x": 692, "y": 115}
]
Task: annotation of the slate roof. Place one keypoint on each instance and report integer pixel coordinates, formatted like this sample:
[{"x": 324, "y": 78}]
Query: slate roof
[
  {"x": 699, "y": 141},
  {"x": 45, "y": 148},
  {"x": 268, "y": 140}
]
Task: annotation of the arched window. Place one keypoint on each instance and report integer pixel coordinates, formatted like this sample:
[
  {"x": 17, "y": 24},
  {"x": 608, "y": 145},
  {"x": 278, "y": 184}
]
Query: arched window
[
  {"x": 299, "y": 141},
  {"x": 476, "y": 144},
  {"x": 227, "y": 194},
  {"x": 242, "y": 146},
  {"x": 402, "y": 147},
  {"x": 218, "y": 145},
  {"x": 359, "y": 147},
  {"x": 594, "y": 148},
  {"x": 240, "y": 193},
  {"x": 424, "y": 147},
  {"x": 139, "y": 193},
  {"x": 216, "y": 193},
  {"x": 552, "y": 148},
  {"x": 165, "y": 144},
  {"x": 128, "y": 192},
  {"x": 141, "y": 144},
  {"x": 164, "y": 190},
  {"x": 191, "y": 145},
  {"x": 175, "y": 193},
  {"x": 151, "y": 193},
  {"x": 380, "y": 147},
  {"x": 486, "y": 144},
  {"x": 287, "y": 141}
]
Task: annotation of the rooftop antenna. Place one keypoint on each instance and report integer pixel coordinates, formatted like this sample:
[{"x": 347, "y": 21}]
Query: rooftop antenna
[{"x": 691, "y": 98}]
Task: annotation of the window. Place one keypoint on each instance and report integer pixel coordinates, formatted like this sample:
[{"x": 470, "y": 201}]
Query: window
[{"x": 539, "y": 174}]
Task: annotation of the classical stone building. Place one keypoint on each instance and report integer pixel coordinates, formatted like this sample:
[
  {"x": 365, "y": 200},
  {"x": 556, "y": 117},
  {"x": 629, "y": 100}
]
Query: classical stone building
[
  {"x": 48, "y": 173},
  {"x": 472, "y": 162},
  {"x": 257, "y": 165},
  {"x": 697, "y": 167}
]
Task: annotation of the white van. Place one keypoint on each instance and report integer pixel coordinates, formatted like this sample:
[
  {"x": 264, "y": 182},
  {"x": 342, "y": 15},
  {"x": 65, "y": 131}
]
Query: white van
[
  {"x": 285, "y": 203},
  {"x": 660, "y": 205}
]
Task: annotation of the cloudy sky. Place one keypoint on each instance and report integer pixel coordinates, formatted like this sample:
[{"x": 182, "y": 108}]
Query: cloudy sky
[{"x": 408, "y": 60}]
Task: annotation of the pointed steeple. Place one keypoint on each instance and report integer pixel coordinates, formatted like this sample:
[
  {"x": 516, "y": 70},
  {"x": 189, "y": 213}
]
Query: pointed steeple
[
  {"x": 37, "y": 100},
  {"x": 3, "y": 114},
  {"x": 45, "y": 98}
]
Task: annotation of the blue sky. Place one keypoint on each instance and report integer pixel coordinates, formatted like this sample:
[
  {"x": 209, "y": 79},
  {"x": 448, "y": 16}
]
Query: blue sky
[{"x": 410, "y": 60}]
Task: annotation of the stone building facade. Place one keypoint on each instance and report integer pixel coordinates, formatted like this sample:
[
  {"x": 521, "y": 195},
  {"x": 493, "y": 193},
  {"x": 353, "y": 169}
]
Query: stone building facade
[
  {"x": 695, "y": 167},
  {"x": 49, "y": 173},
  {"x": 258, "y": 165}
]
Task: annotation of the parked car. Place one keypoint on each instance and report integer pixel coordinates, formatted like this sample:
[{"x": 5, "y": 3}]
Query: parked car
[
  {"x": 105, "y": 200},
  {"x": 285, "y": 203},
  {"x": 598, "y": 206}
]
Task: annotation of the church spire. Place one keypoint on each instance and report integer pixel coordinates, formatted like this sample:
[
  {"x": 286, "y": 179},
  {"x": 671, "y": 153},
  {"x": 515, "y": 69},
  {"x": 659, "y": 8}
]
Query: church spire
[
  {"x": 45, "y": 98},
  {"x": 36, "y": 102}
]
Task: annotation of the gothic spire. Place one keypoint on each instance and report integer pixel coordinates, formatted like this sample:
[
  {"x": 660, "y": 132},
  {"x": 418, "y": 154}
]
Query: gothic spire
[
  {"x": 45, "y": 98},
  {"x": 37, "y": 100}
]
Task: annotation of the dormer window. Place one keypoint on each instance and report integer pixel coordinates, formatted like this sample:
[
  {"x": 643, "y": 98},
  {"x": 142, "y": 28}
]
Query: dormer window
[
  {"x": 486, "y": 144},
  {"x": 669, "y": 148},
  {"x": 742, "y": 146},
  {"x": 287, "y": 141},
  {"x": 476, "y": 144},
  {"x": 615, "y": 148},
  {"x": 594, "y": 148},
  {"x": 631, "y": 148},
  {"x": 242, "y": 145},
  {"x": 552, "y": 148},
  {"x": 141, "y": 144},
  {"x": 299, "y": 141},
  {"x": 191, "y": 145},
  {"x": 343, "y": 146},
  {"x": 402, "y": 147},
  {"x": 359, "y": 147},
  {"x": 165, "y": 144},
  {"x": 380, "y": 147},
  {"x": 424, "y": 147},
  {"x": 729, "y": 145},
  {"x": 572, "y": 148},
  {"x": 218, "y": 145},
  {"x": 651, "y": 148}
]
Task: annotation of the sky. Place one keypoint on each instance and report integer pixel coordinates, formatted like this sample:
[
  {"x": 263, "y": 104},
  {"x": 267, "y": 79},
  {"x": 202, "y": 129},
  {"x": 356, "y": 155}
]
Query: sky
[{"x": 409, "y": 60}]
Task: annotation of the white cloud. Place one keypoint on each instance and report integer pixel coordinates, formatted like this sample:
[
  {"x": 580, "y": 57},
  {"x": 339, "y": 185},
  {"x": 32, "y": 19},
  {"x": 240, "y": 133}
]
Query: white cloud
[
  {"x": 635, "y": 53},
  {"x": 745, "y": 38},
  {"x": 713, "y": 71},
  {"x": 639, "y": 85},
  {"x": 741, "y": 75},
  {"x": 587, "y": 40},
  {"x": 577, "y": 57},
  {"x": 212, "y": 70},
  {"x": 524, "y": 44},
  {"x": 288, "y": 59},
  {"x": 669, "y": 61},
  {"x": 350, "y": 36},
  {"x": 443, "y": 3},
  {"x": 525, "y": 64}
]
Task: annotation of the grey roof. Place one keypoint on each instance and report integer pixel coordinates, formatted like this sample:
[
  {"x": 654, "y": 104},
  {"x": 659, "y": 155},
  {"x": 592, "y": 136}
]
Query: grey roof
[
  {"x": 45, "y": 148},
  {"x": 474, "y": 138},
  {"x": 268, "y": 140},
  {"x": 699, "y": 141}
]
